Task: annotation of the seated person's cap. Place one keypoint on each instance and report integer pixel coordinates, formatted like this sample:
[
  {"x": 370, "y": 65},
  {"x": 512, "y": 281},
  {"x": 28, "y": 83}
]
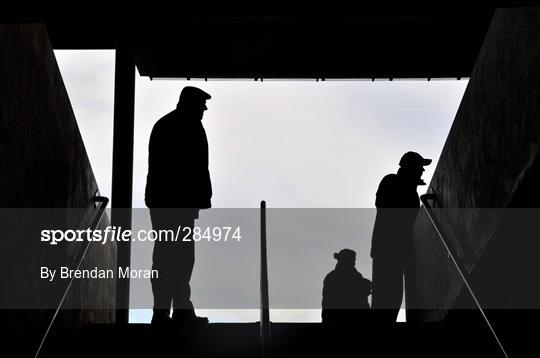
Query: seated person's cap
[
  {"x": 411, "y": 159},
  {"x": 345, "y": 253},
  {"x": 190, "y": 93}
]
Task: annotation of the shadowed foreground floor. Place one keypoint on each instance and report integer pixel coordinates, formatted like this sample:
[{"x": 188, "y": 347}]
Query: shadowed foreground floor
[{"x": 242, "y": 339}]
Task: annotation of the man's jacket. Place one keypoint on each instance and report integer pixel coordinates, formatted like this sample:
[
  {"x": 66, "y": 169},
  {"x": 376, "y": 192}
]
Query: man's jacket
[
  {"x": 397, "y": 207},
  {"x": 178, "y": 174}
]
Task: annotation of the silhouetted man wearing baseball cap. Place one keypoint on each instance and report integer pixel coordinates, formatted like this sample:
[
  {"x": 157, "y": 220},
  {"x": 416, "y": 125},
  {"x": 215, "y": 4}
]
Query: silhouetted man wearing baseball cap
[
  {"x": 177, "y": 187},
  {"x": 397, "y": 205}
]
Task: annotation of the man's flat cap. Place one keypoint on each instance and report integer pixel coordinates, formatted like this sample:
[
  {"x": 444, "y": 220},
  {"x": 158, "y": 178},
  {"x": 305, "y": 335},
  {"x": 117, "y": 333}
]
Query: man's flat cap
[{"x": 190, "y": 94}]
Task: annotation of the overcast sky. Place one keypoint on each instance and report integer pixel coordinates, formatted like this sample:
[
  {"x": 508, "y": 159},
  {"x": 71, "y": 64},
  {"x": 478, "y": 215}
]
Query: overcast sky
[{"x": 295, "y": 144}]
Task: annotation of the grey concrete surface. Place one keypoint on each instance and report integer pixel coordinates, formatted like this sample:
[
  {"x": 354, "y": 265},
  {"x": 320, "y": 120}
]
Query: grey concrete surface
[{"x": 493, "y": 143}]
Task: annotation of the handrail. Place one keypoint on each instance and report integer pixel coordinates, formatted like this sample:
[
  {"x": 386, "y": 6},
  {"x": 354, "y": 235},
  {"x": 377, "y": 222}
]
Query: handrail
[
  {"x": 459, "y": 266},
  {"x": 78, "y": 259}
]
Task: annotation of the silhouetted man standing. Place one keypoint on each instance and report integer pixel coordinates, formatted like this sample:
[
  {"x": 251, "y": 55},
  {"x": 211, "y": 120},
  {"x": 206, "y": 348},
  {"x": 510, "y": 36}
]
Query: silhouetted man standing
[
  {"x": 178, "y": 185},
  {"x": 345, "y": 291},
  {"x": 397, "y": 205}
]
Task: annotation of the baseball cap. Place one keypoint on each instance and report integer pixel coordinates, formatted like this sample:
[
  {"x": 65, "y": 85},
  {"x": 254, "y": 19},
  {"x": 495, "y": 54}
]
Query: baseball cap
[{"x": 413, "y": 159}]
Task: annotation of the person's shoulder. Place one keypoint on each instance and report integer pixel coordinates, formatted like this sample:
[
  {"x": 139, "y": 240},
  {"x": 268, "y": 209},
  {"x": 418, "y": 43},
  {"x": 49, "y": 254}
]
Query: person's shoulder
[
  {"x": 164, "y": 122},
  {"x": 358, "y": 276},
  {"x": 169, "y": 118},
  {"x": 388, "y": 186},
  {"x": 389, "y": 180},
  {"x": 330, "y": 276}
]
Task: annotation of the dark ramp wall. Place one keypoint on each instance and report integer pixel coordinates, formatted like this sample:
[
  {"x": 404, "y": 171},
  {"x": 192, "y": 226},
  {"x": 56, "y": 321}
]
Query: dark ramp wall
[
  {"x": 489, "y": 153},
  {"x": 43, "y": 164}
]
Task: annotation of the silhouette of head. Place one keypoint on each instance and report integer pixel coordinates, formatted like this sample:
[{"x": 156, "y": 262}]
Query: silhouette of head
[
  {"x": 412, "y": 164},
  {"x": 346, "y": 257},
  {"x": 192, "y": 102}
]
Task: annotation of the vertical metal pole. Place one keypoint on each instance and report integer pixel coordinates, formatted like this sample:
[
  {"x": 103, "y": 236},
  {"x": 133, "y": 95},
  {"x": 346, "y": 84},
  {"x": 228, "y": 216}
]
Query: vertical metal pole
[
  {"x": 265, "y": 310},
  {"x": 122, "y": 171}
]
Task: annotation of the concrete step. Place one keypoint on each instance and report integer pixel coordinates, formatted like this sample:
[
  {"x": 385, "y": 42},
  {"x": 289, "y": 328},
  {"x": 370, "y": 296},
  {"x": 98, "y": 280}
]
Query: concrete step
[{"x": 299, "y": 339}]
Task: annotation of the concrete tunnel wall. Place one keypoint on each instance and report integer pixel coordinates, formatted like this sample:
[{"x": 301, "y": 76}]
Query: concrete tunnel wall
[
  {"x": 491, "y": 147},
  {"x": 43, "y": 165}
]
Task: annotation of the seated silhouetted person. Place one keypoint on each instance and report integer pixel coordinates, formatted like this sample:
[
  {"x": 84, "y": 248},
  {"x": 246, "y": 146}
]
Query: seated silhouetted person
[
  {"x": 345, "y": 291},
  {"x": 178, "y": 186}
]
